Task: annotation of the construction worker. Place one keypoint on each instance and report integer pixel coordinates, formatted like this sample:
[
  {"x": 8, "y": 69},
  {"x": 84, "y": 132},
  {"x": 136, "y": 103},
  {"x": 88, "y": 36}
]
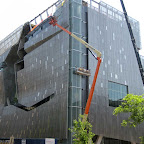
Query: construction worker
[{"x": 63, "y": 2}]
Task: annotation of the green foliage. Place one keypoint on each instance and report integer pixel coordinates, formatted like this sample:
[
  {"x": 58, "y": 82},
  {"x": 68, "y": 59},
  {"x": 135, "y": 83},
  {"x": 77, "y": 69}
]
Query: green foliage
[
  {"x": 82, "y": 131},
  {"x": 142, "y": 139},
  {"x": 134, "y": 105}
]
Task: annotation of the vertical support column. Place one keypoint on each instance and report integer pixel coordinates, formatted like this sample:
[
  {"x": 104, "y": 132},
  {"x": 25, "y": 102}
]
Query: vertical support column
[
  {"x": 85, "y": 80},
  {"x": 75, "y": 84},
  {"x": 99, "y": 139}
]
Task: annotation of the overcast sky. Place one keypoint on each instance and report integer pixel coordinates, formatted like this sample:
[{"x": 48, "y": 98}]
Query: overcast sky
[{"x": 14, "y": 13}]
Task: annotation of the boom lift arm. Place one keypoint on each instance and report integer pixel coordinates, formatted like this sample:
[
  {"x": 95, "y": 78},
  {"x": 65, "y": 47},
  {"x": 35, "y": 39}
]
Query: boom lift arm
[
  {"x": 54, "y": 23},
  {"x": 133, "y": 41}
]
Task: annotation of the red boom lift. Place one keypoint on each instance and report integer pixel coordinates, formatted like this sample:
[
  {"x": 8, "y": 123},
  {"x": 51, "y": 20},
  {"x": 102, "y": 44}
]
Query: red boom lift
[{"x": 54, "y": 23}]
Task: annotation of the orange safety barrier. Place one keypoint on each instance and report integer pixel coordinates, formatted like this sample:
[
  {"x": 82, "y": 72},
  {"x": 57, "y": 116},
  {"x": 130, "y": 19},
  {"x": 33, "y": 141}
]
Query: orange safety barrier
[
  {"x": 39, "y": 23},
  {"x": 36, "y": 26}
]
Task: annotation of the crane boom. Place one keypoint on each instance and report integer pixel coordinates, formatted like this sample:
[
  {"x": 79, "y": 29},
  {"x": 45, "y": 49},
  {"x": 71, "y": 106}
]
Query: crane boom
[{"x": 133, "y": 41}]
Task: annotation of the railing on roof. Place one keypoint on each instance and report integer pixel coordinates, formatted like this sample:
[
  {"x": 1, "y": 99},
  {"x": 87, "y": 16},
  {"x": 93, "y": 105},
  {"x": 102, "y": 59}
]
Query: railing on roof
[
  {"x": 92, "y": 4},
  {"x": 108, "y": 10},
  {"x": 45, "y": 14}
]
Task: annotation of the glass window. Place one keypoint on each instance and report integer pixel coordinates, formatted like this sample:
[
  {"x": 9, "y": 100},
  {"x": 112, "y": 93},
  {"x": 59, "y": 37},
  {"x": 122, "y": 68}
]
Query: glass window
[{"x": 116, "y": 92}]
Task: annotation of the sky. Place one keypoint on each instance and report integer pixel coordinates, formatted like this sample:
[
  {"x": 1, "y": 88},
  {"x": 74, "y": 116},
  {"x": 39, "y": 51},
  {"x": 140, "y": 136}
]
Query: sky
[{"x": 14, "y": 13}]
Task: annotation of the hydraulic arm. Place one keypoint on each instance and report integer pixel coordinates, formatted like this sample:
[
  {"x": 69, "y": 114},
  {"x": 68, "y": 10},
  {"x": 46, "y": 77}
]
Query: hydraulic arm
[
  {"x": 98, "y": 53},
  {"x": 54, "y": 23}
]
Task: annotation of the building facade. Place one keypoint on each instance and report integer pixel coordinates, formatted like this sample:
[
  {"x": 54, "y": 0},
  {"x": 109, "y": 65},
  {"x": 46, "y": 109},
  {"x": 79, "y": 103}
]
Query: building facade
[
  {"x": 142, "y": 59},
  {"x": 40, "y": 93}
]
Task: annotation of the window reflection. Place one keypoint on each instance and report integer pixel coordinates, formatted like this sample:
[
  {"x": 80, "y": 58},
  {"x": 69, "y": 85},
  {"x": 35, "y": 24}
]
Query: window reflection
[{"x": 116, "y": 92}]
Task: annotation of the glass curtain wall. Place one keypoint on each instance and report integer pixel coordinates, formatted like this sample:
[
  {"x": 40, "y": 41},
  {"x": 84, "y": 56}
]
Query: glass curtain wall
[
  {"x": 75, "y": 81},
  {"x": 116, "y": 93}
]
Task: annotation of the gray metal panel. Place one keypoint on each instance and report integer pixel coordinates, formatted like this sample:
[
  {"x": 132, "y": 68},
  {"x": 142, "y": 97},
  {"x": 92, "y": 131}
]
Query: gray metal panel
[
  {"x": 11, "y": 40},
  {"x": 46, "y": 70},
  {"x": 4, "y": 55},
  {"x": 119, "y": 64},
  {"x": 2, "y": 99},
  {"x": 40, "y": 75},
  {"x": 43, "y": 34}
]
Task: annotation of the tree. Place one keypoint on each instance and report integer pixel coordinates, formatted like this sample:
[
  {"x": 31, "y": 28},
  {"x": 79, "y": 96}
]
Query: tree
[
  {"x": 134, "y": 105},
  {"x": 82, "y": 131}
]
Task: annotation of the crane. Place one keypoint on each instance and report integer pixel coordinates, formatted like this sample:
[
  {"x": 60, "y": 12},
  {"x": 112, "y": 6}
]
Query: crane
[
  {"x": 53, "y": 22},
  {"x": 133, "y": 40}
]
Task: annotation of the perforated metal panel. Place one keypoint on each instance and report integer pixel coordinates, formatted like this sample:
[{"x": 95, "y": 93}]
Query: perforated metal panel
[
  {"x": 107, "y": 32},
  {"x": 46, "y": 70}
]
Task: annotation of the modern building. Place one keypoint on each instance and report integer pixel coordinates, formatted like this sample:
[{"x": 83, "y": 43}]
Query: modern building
[
  {"x": 142, "y": 59},
  {"x": 41, "y": 93}
]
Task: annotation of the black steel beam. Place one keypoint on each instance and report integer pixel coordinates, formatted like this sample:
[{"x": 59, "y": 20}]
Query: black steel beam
[{"x": 133, "y": 41}]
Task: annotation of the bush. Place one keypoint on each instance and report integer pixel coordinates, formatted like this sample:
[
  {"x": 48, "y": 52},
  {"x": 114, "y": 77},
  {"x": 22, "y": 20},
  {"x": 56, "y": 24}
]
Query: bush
[{"x": 82, "y": 131}]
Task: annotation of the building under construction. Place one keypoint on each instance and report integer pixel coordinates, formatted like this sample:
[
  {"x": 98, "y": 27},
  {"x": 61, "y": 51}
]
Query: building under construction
[{"x": 46, "y": 74}]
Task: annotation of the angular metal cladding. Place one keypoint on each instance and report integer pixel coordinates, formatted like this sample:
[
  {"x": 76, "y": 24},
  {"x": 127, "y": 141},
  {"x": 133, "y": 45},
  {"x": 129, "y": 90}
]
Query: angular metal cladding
[
  {"x": 45, "y": 70},
  {"x": 108, "y": 33}
]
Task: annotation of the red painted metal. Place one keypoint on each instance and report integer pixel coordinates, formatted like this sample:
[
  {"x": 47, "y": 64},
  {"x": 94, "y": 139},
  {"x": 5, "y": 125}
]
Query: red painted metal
[
  {"x": 54, "y": 23},
  {"x": 93, "y": 86},
  {"x": 63, "y": 29}
]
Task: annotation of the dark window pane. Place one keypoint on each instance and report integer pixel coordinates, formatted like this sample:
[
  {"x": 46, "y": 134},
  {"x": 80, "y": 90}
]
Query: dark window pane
[
  {"x": 116, "y": 92},
  {"x": 124, "y": 88},
  {"x": 119, "y": 95},
  {"x": 117, "y": 87},
  {"x": 109, "y": 85},
  {"x": 113, "y": 86},
  {"x": 121, "y": 88},
  {"x": 110, "y": 94}
]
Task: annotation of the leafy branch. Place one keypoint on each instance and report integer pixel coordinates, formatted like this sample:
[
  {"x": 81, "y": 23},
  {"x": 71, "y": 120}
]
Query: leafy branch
[{"x": 82, "y": 131}]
